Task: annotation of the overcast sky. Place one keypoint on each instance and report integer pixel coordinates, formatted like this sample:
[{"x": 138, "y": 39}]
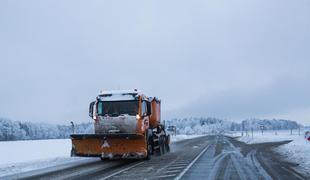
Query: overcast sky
[{"x": 229, "y": 59}]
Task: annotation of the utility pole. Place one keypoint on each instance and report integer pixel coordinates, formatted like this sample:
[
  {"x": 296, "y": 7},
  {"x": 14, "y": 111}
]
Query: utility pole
[
  {"x": 291, "y": 131},
  {"x": 175, "y": 131},
  {"x": 242, "y": 128},
  {"x": 72, "y": 125},
  {"x": 262, "y": 129}
]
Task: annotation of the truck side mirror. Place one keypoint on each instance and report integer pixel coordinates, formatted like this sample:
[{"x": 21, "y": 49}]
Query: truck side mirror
[
  {"x": 149, "y": 108},
  {"x": 91, "y": 109}
]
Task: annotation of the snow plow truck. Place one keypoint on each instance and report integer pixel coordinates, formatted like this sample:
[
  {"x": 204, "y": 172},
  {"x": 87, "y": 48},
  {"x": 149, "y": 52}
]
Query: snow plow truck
[{"x": 127, "y": 126}]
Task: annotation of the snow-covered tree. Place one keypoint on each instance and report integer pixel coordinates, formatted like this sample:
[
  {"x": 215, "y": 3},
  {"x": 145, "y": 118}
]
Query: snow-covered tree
[{"x": 14, "y": 130}]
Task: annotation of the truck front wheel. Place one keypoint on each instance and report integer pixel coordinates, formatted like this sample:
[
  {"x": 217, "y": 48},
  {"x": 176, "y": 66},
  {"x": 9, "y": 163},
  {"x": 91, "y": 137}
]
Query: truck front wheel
[
  {"x": 149, "y": 146},
  {"x": 149, "y": 152}
]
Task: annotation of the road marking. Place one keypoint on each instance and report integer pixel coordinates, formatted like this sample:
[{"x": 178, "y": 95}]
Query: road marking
[
  {"x": 172, "y": 171},
  {"x": 179, "y": 167},
  {"x": 180, "y": 164},
  {"x": 118, "y": 172},
  {"x": 165, "y": 176},
  {"x": 192, "y": 163}
]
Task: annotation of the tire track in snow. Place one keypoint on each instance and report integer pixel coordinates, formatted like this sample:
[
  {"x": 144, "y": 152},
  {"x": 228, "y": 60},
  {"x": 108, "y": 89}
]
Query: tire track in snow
[
  {"x": 223, "y": 167},
  {"x": 242, "y": 165},
  {"x": 217, "y": 165},
  {"x": 252, "y": 158},
  {"x": 273, "y": 169},
  {"x": 239, "y": 169}
]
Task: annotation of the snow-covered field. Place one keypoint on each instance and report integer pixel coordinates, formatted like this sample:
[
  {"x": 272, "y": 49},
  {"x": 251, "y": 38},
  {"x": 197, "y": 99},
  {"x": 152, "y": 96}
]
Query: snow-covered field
[
  {"x": 23, "y": 156},
  {"x": 297, "y": 151},
  {"x": 25, "y": 151}
]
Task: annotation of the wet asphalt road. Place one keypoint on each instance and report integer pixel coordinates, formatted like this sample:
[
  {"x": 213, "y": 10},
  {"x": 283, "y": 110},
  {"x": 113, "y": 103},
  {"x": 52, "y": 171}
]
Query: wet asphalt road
[{"x": 210, "y": 157}]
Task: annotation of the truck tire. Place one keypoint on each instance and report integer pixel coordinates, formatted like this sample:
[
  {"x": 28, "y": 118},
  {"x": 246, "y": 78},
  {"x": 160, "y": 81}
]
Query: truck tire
[
  {"x": 150, "y": 149},
  {"x": 162, "y": 145},
  {"x": 167, "y": 143},
  {"x": 149, "y": 152},
  {"x": 167, "y": 148}
]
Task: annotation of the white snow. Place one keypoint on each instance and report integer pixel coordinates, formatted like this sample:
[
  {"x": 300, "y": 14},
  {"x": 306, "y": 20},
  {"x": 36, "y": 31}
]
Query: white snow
[
  {"x": 23, "y": 156},
  {"x": 183, "y": 137},
  {"x": 113, "y": 92},
  {"x": 23, "y": 151},
  {"x": 118, "y": 95},
  {"x": 297, "y": 151}
]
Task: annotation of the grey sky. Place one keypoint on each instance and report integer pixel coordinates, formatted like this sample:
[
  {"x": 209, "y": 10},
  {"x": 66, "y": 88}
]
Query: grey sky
[{"x": 230, "y": 59}]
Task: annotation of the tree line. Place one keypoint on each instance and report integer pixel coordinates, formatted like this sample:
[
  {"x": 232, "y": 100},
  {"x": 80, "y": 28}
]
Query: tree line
[{"x": 16, "y": 130}]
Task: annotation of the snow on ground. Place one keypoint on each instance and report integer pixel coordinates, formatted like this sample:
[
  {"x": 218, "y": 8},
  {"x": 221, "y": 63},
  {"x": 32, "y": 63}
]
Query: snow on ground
[
  {"x": 23, "y": 156},
  {"x": 23, "y": 151},
  {"x": 183, "y": 137},
  {"x": 297, "y": 151}
]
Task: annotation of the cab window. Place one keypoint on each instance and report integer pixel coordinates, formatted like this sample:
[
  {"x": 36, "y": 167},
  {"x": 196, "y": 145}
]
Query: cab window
[{"x": 144, "y": 108}]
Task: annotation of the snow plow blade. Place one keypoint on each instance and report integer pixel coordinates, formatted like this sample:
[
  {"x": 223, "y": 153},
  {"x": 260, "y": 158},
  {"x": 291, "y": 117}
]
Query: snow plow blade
[{"x": 111, "y": 146}]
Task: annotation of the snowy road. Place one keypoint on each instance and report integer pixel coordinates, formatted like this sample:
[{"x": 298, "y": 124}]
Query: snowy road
[
  {"x": 227, "y": 158},
  {"x": 211, "y": 157}
]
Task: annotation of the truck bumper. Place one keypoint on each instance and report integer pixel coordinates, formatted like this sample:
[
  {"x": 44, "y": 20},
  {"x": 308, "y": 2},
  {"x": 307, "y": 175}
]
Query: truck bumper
[{"x": 111, "y": 146}]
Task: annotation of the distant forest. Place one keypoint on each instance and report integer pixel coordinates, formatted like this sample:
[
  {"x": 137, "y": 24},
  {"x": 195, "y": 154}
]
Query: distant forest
[
  {"x": 16, "y": 130},
  {"x": 214, "y": 125}
]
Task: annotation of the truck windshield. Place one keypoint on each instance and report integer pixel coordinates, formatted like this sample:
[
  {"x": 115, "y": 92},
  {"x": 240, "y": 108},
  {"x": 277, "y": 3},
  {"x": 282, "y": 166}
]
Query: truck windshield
[{"x": 116, "y": 108}]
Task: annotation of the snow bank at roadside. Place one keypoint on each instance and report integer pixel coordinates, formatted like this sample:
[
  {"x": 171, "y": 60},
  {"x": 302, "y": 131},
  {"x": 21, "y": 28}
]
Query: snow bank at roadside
[
  {"x": 24, "y": 151},
  {"x": 183, "y": 137},
  {"x": 23, "y": 156},
  {"x": 14, "y": 168},
  {"x": 297, "y": 151}
]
